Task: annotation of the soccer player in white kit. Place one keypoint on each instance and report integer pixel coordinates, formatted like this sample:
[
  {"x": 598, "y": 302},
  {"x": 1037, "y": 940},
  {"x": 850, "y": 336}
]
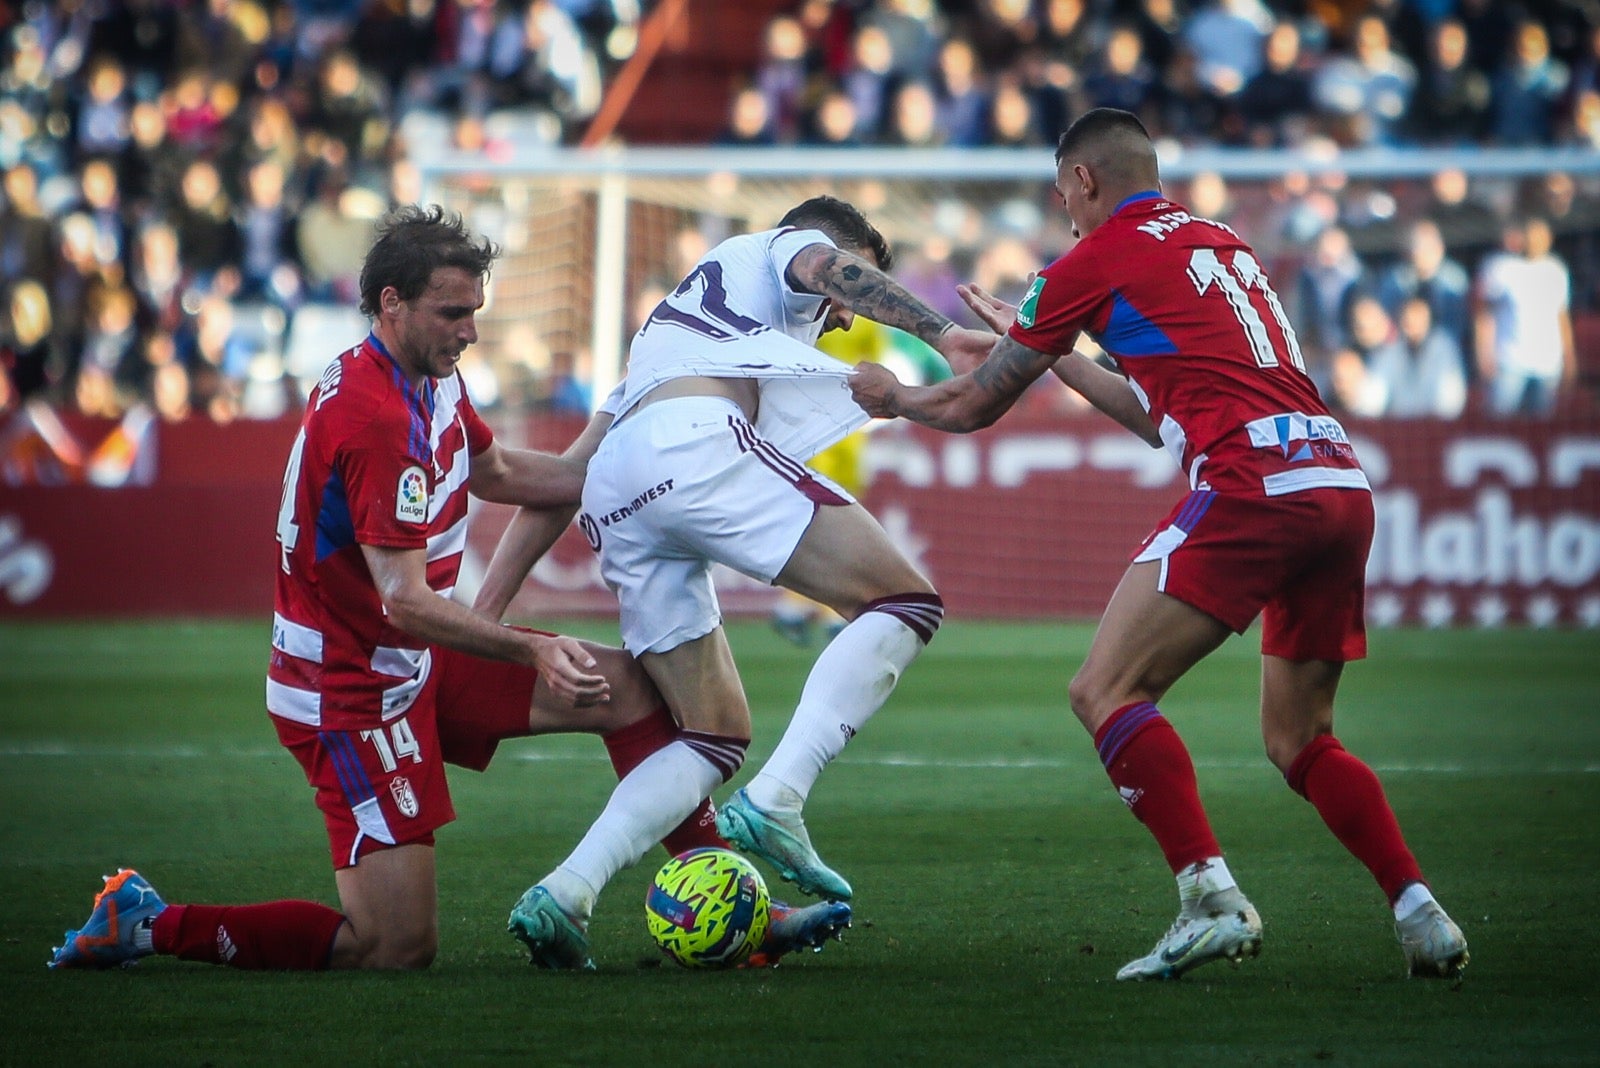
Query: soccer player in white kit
[{"x": 703, "y": 463}]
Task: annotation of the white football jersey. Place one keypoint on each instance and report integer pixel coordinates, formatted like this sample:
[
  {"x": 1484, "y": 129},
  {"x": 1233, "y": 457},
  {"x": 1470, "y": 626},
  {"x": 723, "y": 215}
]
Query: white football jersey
[{"x": 735, "y": 316}]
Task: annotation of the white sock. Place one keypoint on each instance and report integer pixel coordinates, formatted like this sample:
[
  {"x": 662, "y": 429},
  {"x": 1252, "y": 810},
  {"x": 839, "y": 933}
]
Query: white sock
[
  {"x": 650, "y": 800},
  {"x": 1410, "y": 900},
  {"x": 1209, "y": 876},
  {"x": 850, "y": 681}
]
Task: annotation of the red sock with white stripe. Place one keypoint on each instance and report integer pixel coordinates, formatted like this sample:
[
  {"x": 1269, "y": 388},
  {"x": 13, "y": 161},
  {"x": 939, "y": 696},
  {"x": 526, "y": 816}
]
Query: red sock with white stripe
[
  {"x": 1150, "y": 767},
  {"x": 628, "y": 746},
  {"x": 1350, "y": 800},
  {"x": 651, "y": 800},
  {"x": 849, "y": 682},
  {"x": 275, "y": 935}
]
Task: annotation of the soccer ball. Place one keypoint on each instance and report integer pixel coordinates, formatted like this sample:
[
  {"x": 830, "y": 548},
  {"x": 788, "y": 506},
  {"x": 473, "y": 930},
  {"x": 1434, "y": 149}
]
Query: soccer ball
[{"x": 708, "y": 908}]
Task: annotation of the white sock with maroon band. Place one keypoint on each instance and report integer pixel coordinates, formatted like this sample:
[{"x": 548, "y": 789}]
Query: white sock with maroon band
[
  {"x": 850, "y": 681},
  {"x": 650, "y": 801}
]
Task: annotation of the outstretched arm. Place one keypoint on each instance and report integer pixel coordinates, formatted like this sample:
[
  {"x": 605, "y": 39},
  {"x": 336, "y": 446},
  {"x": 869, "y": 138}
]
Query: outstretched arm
[
  {"x": 967, "y": 402},
  {"x": 532, "y": 532},
  {"x": 856, "y": 284},
  {"x": 1100, "y": 386}
]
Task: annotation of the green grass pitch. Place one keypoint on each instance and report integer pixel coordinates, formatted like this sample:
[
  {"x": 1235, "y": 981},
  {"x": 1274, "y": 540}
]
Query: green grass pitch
[{"x": 1001, "y": 883}]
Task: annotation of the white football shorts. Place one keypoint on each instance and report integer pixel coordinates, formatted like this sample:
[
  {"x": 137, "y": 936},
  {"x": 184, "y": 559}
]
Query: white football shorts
[{"x": 677, "y": 486}]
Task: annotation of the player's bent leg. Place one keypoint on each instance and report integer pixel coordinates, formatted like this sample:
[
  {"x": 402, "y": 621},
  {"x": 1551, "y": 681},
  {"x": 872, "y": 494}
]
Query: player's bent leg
[
  {"x": 391, "y": 907},
  {"x": 1296, "y": 724},
  {"x": 846, "y": 561},
  {"x": 130, "y": 921}
]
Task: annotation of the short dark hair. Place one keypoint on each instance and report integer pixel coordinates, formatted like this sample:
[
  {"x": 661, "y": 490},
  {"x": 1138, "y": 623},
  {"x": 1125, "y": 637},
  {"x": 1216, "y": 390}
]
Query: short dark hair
[
  {"x": 843, "y": 222},
  {"x": 412, "y": 243},
  {"x": 1095, "y": 124}
]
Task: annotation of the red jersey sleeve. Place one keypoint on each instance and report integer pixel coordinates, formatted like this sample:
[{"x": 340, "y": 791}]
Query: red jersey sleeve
[
  {"x": 1066, "y": 298},
  {"x": 386, "y": 489}
]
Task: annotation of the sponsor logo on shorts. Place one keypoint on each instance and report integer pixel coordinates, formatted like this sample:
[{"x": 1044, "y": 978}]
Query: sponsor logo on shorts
[
  {"x": 591, "y": 530},
  {"x": 411, "y": 497},
  {"x": 660, "y": 489},
  {"x": 405, "y": 798}
]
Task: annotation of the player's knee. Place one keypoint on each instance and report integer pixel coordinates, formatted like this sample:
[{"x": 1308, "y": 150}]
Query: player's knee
[
  {"x": 396, "y": 950},
  {"x": 1084, "y": 694}
]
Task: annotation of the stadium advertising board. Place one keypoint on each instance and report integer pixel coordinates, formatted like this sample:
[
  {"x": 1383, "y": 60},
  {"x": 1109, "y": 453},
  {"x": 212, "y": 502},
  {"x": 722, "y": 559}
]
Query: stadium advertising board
[{"x": 1479, "y": 523}]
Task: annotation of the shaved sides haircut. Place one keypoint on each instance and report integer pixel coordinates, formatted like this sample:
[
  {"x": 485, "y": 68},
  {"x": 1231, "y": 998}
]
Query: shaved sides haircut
[{"x": 1112, "y": 142}]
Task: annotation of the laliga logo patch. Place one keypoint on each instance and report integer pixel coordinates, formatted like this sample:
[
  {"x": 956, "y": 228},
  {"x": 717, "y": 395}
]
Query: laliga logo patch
[
  {"x": 411, "y": 499},
  {"x": 405, "y": 799}
]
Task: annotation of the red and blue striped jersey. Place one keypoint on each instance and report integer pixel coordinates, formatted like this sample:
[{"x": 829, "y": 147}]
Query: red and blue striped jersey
[
  {"x": 377, "y": 462},
  {"x": 1184, "y": 307}
]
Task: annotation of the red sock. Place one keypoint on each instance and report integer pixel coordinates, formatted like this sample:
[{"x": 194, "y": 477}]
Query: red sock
[
  {"x": 629, "y": 746},
  {"x": 277, "y": 935},
  {"x": 1150, "y": 767},
  {"x": 1350, "y": 800}
]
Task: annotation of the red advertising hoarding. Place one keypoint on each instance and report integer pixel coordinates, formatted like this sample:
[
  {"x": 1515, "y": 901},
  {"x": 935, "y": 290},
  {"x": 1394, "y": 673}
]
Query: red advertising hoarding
[{"x": 1479, "y": 523}]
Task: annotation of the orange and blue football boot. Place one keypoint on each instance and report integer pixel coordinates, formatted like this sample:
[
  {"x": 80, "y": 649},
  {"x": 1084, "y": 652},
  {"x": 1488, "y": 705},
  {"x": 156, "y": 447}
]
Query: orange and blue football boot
[{"x": 110, "y": 936}]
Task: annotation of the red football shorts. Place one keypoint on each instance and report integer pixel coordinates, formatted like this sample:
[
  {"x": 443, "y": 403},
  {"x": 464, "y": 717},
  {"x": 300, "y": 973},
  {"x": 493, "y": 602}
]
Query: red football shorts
[
  {"x": 1299, "y": 561},
  {"x": 386, "y": 786}
]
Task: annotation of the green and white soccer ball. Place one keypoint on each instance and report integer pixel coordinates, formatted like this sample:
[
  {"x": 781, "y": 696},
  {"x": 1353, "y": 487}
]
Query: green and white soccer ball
[{"x": 708, "y": 908}]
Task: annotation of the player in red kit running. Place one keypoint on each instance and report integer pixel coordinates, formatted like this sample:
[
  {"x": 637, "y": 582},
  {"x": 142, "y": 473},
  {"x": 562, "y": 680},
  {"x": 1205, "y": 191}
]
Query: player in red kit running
[
  {"x": 1278, "y": 522},
  {"x": 377, "y": 678}
]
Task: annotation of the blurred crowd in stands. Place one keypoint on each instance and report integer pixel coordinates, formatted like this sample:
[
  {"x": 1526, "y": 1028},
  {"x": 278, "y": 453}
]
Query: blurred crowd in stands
[{"x": 189, "y": 187}]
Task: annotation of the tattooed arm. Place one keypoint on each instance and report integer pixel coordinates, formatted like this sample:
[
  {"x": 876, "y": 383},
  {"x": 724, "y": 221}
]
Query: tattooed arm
[
  {"x": 967, "y": 402},
  {"x": 856, "y": 284}
]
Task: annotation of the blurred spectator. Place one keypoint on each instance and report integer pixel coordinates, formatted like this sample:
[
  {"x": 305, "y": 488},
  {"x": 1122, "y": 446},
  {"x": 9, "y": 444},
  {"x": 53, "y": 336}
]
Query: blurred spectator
[
  {"x": 833, "y": 123},
  {"x": 1452, "y": 102},
  {"x": 350, "y": 107},
  {"x": 1121, "y": 79},
  {"x": 870, "y": 81},
  {"x": 219, "y": 36},
  {"x": 963, "y": 104},
  {"x": 913, "y": 29},
  {"x": 1524, "y": 326},
  {"x": 269, "y": 260},
  {"x": 1418, "y": 373},
  {"x": 25, "y": 237},
  {"x": 170, "y": 392},
  {"x": 1370, "y": 89},
  {"x": 1277, "y": 99},
  {"x": 195, "y": 115},
  {"x": 1068, "y": 33},
  {"x": 101, "y": 200},
  {"x": 781, "y": 75},
  {"x": 102, "y": 127},
  {"x": 1469, "y": 226},
  {"x": 332, "y": 235},
  {"x": 150, "y": 169},
  {"x": 1328, "y": 285},
  {"x": 1011, "y": 122},
  {"x": 161, "y": 285},
  {"x": 1430, "y": 274},
  {"x": 913, "y": 118},
  {"x": 998, "y": 30},
  {"x": 111, "y": 339},
  {"x": 25, "y": 349},
  {"x": 1225, "y": 38},
  {"x": 208, "y": 239},
  {"x": 1527, "y": 90},
  {"x": 749, "y": 123}
]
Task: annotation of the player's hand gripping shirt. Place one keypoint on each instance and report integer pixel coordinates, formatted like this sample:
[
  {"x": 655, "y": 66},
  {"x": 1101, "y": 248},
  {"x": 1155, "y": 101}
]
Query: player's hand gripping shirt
[
  {"x": 1186, "y": 310},
  {"x": 735, "y": 316},
  {"x": 381, "y": 463}
]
